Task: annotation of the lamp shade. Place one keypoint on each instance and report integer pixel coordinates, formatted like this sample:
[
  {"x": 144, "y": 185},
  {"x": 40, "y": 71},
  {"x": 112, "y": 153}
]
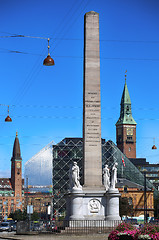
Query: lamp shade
[
  {"x": 48, "y": 61},
  {"x": 8, "y": 119},
  {"x": 154, "y": 147}
]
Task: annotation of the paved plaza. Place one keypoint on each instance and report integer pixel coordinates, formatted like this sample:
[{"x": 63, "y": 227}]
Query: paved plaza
[{"x": 11, "y": 235}]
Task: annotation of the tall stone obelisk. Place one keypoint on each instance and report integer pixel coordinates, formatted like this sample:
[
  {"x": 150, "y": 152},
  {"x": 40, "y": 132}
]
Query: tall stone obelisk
[
  {"x": 91, "y": 201},
  {"x": 92, "y": 162}
]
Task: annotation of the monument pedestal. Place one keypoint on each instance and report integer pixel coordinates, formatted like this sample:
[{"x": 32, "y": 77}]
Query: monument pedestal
[
  {"x": 112, "y": 199},
  {"x": 86, "y": 205},
  {"x": 76, "y": 205}
]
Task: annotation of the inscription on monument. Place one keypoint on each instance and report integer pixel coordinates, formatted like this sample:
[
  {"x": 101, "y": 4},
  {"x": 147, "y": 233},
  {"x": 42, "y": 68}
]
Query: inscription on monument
[{"x": 92, "y": 108}]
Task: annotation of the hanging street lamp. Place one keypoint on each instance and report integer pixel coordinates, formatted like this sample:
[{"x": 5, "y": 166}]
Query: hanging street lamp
[
  {"x": 8, "y": 118},
  {"x": 48, "y": 61}
]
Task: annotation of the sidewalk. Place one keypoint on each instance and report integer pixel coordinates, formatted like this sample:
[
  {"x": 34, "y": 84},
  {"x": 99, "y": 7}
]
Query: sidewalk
[{"x": 55, "y": 237}]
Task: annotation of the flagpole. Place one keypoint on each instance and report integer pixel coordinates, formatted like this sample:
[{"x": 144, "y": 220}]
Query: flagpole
[{"x": 122, "y": 171}]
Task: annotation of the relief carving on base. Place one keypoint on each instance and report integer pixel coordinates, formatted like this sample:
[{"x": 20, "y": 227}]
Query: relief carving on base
[{"x": 94, "y": 205}]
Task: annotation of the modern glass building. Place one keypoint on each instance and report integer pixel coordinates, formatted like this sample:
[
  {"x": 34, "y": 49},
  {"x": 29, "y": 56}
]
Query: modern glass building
[
  {"x": 38, "y": 169},
  {"x": 151, "y": 170}
]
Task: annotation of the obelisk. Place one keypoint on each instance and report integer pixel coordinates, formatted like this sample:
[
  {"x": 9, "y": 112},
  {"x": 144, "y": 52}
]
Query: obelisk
[
  {"x": 92, "y": 161},
  {"x": 91, "y": 201}
]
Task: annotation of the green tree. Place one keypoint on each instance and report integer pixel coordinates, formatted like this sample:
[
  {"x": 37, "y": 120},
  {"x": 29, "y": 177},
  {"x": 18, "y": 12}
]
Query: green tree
[
  {"x": 156, "y": 207},
  {"x": 125, "y": 206},
  {"x": 35, "y": 216},
  {"x": 18, "y": 215}
]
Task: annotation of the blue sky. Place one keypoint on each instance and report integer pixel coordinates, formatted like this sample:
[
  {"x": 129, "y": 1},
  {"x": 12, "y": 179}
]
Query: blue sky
[{"x": 46, "y": 102}]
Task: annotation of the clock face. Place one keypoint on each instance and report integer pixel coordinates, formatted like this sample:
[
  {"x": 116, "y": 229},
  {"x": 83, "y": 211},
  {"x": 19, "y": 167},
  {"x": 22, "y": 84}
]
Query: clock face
[
  {"x": 130, "y": 131},
  {"x": 18, "y": 165}
]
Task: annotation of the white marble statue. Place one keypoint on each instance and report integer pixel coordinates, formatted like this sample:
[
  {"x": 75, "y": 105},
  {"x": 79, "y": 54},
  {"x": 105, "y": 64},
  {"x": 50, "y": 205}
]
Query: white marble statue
[
  {"x": 106, "y": 177},
  {"x": 74, "y": 177},
  {"x": 114, "y": 176}
]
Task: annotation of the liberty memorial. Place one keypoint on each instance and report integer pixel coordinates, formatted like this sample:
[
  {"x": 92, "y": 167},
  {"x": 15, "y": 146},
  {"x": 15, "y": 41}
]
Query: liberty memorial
[{"x": 91, "y": 199}]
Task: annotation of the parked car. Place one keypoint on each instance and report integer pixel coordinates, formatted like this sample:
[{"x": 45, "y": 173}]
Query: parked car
[
  {"x": 5, "y": 226},
  {"x": 36, "y": 227},
  {"x": 14, "y": 226},
  {"x": 132, "y": 221},
  {"x": 154, "y": 221}
]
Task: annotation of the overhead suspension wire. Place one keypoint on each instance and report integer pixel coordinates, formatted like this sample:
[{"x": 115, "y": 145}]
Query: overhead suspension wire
[
  {"x": 75, "y": 107},
  {"x": 81, "y": 57},
  {"x": 80, "y": 39},
  {"x": 27, "y": 83},
  {"x": 75, "y": 117},
  {"x": 20, "y": 35},
  {"x": 66, "y": 28}
]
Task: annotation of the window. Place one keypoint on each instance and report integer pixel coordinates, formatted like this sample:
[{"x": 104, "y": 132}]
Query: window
[
  {"x": 129, "y": 139},
  {"x": 130, "y": 201},
  {"x": 125, "y": 189}
]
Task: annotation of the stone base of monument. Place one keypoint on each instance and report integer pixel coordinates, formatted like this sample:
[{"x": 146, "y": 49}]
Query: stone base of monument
[
  {"x": 75, "y": 205},
  {"x": 112, "y": 199},
  {"x": 86, "y": 205},
  {"x": 93, "y": 205}
]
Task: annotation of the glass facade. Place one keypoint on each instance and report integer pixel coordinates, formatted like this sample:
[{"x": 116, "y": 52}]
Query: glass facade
[{"x": 38, "y": 169}]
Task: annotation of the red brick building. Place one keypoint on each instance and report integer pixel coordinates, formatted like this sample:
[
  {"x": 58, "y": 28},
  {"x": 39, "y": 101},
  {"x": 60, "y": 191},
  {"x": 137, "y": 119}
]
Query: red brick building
[{"x": 11, "y": 189}]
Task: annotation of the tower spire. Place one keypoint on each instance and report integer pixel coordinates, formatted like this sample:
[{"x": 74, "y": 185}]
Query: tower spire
[
  {"x": 125, "y": 107},
  {"x": 126, "y": 126},
  {"x": 16, "y": 149},
  {"x": 16, "y": 168}
]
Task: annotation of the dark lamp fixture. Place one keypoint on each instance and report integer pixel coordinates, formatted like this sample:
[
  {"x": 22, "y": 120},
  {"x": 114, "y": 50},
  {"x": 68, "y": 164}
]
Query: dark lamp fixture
[
  {"x": 8, "y": 118},
  {"x": 154, "y": 147},
  {"x": 48, "y": 61}
]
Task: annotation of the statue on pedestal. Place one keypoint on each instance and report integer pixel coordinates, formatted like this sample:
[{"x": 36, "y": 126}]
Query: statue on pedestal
[
  {"x": 106, "y": 177},
  {"x": 74, "y": 177},
  {"x": 113, "y": 176}
]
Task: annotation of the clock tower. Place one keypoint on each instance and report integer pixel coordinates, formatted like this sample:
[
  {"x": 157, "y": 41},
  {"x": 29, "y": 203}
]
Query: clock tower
[
  {"x": 126, "y": 126},
  {"x": 16, "y": 169}
]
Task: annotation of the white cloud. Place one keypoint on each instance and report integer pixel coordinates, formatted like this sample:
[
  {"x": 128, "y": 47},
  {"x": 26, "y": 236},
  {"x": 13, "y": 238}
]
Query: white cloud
[{"x": 5, "y": 173}]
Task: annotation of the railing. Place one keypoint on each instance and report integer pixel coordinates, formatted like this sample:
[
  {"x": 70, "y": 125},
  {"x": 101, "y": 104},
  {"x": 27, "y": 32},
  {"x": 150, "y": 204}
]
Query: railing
[
  {"x": 85, "y": 226},
  {"x": 68, "y": 227}
]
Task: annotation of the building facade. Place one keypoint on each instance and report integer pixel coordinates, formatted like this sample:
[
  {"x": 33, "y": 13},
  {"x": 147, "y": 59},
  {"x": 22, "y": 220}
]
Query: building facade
[
  {"x": 12, "y": 189},
  {"x": 137, "y": 197},
  {"x": 151, "y": 170},
  {"x": 41, "y": 202},
  {"x": 38, "y": 169}
]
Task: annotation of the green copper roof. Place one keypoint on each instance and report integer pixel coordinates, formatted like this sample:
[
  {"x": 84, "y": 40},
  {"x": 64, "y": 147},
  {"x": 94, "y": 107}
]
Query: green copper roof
[
  {"x": 125, "y": 108},
  {"x": 125, "y": 96}
]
